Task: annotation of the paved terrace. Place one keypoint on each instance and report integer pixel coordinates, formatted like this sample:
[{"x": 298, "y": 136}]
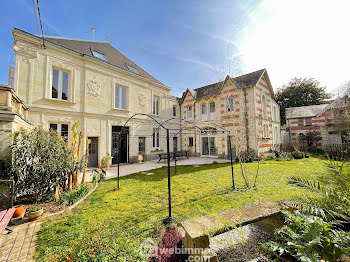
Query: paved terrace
[{"x": 127, "y": 169}]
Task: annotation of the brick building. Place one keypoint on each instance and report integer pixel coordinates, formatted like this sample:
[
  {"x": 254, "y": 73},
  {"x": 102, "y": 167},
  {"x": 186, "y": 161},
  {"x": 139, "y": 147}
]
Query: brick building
[
  {"x": 329, "y": 121},
  {"x": 243, "y": 105}
]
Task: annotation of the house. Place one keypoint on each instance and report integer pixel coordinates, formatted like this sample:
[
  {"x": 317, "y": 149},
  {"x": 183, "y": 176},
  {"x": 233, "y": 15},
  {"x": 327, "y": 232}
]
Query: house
[
  {"x": 243, "y": 105},
  {"x": 63, "y": 80},
  {"x": 13, "y": 117},
  {"x": 328, "y": 121}
]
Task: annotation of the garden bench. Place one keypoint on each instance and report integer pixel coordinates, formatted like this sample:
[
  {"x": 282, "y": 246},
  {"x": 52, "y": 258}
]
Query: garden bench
[
  {"x": 5, "y": 218},
  {"x": 164, "y": 156},
  {"x": 181, "y": 154}
]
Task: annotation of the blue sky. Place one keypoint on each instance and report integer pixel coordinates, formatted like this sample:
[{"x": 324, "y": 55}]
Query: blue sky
[{"x": 187, "y": 44}]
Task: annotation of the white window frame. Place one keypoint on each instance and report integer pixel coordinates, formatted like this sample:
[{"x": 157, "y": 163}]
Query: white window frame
[
  {"x": 190, "y": 115},
  {"x": 59, "y": 130},
  {"x": 155, "y": 107},
  {"x": 204, "y": 116},
  {"x": 60, "y": 84},
  {"x": 212, "y": 115},
  {"x": 155, "y": 139},
  {"x": 228, "y": 108},
  {"x": 121, "y": 88}
]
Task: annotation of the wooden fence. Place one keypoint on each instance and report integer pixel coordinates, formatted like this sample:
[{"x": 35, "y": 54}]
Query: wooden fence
[{"x": 338, "y": 151}]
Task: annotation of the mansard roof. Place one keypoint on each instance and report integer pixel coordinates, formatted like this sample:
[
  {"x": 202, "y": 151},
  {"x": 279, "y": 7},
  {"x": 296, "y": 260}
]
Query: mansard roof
[{"x": 86, "y": 48}]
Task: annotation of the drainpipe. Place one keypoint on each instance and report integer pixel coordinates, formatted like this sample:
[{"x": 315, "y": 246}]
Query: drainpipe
[{"x": 195, "y": 135}]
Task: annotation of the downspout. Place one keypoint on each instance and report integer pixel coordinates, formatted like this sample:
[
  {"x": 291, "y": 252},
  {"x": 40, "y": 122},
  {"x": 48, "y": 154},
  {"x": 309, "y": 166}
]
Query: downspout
[
  {"x": 180, "y": 127},
  {"x": 246, "y": 118},
  {"x": 195, "y": 134}
]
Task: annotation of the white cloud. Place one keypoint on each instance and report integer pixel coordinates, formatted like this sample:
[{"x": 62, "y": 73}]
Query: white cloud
[{"x": 298, "y": 38}]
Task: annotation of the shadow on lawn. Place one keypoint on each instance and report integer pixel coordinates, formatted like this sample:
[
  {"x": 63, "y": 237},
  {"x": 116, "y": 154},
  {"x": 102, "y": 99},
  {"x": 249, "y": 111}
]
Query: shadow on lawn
[{"x": 162, "y": 173}]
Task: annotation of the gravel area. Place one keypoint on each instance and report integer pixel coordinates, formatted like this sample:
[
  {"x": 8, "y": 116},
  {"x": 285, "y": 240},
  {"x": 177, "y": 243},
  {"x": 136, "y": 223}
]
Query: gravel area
[{"x": 240, "y": 244}]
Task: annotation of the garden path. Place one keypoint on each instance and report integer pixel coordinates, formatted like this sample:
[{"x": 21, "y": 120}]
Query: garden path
[{"x": 20, "y": 244}]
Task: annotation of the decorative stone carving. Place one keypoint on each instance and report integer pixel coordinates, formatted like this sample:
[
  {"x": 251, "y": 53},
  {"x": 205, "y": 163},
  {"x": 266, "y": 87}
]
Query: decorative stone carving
[
  {"x": 142, "y": 100},
  {"x": 59, "y": 118},
  {"x": 121, "y": 82},
  {"x": 94, "y": 87}
]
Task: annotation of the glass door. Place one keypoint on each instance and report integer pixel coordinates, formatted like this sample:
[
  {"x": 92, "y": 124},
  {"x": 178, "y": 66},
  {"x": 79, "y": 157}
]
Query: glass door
[{"x": 209, "y": 146}]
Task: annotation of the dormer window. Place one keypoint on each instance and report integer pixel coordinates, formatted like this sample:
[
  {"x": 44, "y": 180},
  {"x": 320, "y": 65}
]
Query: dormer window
[
  {"x": 99, "y": 55},
  {"x": 133, "y": 69}
]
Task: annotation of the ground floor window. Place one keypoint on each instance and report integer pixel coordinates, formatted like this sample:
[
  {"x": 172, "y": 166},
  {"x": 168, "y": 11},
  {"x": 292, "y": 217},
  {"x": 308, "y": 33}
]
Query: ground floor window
[
  {"x": 142, "y": 144},
  {"x": 190, "y": 141},
  {"x": 61, "y": 129},
  {"x": 155, "y": 139}
]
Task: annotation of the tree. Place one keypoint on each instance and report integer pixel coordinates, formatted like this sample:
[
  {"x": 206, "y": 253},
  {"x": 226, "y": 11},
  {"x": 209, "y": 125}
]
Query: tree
[{"x": 300, "y": 92}]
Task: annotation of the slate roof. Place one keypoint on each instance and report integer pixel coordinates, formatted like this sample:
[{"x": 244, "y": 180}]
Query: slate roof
[
  {"x": 340, "y": 102},
  {"x": 243, "y": 81},
  {"x": 85, "y": 47},
  {"x": 304, "y": 111}
]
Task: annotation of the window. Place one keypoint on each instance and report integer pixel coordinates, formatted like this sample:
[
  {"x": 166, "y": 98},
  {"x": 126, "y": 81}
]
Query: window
[
  {"x": 212, "y": 110},
  {"x": 308, "y": 121},
  {"x": 204, "y": 111},
  {"x": 142, "y": 144},
  {"x": 265, "y": 131},
  {"x": 301, "y": 122},
  {"x": 99, "y": 55},
  {"x": 59, "y": 84},
  {"x": 120, "y": 97},
  {"x": 61, "y": 129},
  {"x": 133, "y": 69},
  {"x": 276, "y": 134},
  {"x": 155, "y": 105},
  {"x": 190, "y": 141},
  {"x": 230, "y": 106},
  {"x": 155, "y": 139},
  {"x": 174, "y": 110},
  {"x": 264, "y": 107},
  {"x": 189, "y": 112},
  {"x": 274, "y": 113}
]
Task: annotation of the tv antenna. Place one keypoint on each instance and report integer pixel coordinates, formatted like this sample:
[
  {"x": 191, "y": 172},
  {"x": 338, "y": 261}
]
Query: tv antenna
[{"x": 92, "y": 30}]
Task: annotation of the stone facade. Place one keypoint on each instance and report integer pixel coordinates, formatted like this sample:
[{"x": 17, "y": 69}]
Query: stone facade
[
  {"x": 253, "y": 109},
  {"x": 91, "y": 95},
  {"x": 13, "y": 116}
]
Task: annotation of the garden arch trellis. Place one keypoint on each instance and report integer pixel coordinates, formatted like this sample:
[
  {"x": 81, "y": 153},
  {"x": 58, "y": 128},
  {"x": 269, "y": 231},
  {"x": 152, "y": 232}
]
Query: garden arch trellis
[{"x": 161, "y": 124}]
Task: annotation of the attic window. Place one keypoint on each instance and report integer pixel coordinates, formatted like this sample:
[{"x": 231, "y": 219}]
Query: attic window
[
  {"x": 99, "y": 55},
  {"x": 133, "y": 69}
]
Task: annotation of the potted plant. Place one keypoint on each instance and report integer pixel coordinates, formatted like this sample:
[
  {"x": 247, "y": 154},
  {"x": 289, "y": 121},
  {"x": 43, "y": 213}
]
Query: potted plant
[
  {"x": 140, "y": 157},
  {"x": 34, "y": 212},
  {"x": 20, "y": 210}
]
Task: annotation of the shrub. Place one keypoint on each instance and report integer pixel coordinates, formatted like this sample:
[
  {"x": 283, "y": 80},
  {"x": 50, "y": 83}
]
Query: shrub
[
  {"x": 72, "y": 197},
  {"x": 170, "y": 240},
  {"x": 101, "y": 245},
  {"x": 269, "y": 156},
  {"x": 297, "y": 155},
  {"x": 106, "y": 162},
  {"x": 98, "y": 176},
  {"x": 306, "y": 238},
  {"x": 41, "y": 159}
]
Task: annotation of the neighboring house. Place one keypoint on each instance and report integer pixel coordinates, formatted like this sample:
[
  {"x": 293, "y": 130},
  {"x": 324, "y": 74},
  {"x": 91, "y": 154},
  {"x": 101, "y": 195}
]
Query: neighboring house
[
  {"x": 91, "y": 81},
  {"x": 329, "y": 121},
  {"x": 13, "y": 116},
  {"x": 243, "y": 105}
]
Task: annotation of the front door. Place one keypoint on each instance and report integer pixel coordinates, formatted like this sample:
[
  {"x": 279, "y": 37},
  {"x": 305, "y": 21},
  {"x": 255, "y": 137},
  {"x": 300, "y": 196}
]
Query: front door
[
  {"x": 93, "y": 152},
  {"x": 124, "y": 145}
]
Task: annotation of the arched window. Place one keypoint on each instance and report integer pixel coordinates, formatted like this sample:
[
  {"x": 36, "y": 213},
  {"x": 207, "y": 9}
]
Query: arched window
[
  {"x": 189, "y": 111},
  {"x": 274, "y": 113},
  {"x": 204, "y": 111},
  {"x": 212, "y": 110},
  {"x": 230, "y": 106},
  {"x": 264, "y": 107}
]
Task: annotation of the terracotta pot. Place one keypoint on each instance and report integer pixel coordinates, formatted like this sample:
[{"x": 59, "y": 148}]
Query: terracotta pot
[
  {"x": 19, "y": 211},
  {"x": 36, "y": 214}
]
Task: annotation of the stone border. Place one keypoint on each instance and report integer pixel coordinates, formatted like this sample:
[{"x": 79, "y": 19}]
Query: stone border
[{"x": 74, "y": 205}]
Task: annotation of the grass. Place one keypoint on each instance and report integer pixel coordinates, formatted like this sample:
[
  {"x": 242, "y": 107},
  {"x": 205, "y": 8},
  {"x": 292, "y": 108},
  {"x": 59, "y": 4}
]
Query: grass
[{"x": 135, "y": 212}]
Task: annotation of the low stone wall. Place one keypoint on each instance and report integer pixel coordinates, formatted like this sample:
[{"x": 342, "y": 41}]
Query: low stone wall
[{"x": 264, "y": 213}]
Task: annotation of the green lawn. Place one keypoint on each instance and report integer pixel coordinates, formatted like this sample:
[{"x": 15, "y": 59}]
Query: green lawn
[{"x": 136, "y": 210}]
